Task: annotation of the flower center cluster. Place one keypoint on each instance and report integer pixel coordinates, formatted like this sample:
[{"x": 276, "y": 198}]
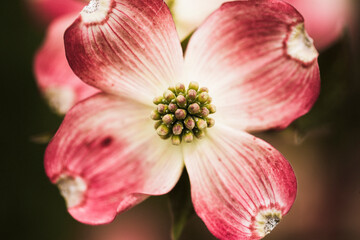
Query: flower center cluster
[{"x": 183, "y": 113}]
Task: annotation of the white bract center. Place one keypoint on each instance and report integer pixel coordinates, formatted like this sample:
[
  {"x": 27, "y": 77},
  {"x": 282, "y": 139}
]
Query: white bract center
[
  {"x": 72, "y": 189},
  {"x": 266, "y": 221},
  {"x": 96, "y": 11},
  {"x": 300, "y": 45},
  {"x": 60, "y": 99}
]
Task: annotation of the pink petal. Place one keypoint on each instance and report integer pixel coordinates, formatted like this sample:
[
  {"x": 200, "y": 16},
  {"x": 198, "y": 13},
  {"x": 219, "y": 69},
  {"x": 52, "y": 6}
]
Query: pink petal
[
  {"x": 258, "y": 63},
  {"x": 126, "y": 47},
  {"x": 239, "y": 184},
  {"x": 106, "y": 157},
  {"x": 325, "y": 20},
  {"x": 48, "y": 10},
  {"x": 57, "y": 82}
]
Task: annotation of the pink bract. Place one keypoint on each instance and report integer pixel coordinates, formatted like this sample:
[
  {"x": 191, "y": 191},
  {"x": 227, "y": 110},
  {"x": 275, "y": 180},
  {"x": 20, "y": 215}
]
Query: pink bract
[
  {"x": 261, "y": 69},
  {"x": 57, "y": 82},
  {"x": 325, "y": 20}
]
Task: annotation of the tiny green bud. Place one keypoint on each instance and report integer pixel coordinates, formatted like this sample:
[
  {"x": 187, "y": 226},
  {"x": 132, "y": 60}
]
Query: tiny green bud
[
  {"x": 211, "y": 108},
  {"x": 189, "y": 123},
  {"x": 194, "y": 108},
  {"x": 180, "y": 114},
  {"x": 157, "y": 124},
  {"x": 175, "y": 140},
  {"x": 155, "y": 115},
  {"x": 168, "y": 119},
  {"x": 199, "y": 133},
  {"x": 171, "y": 89},
  {"x": 177, "y": 128},
  {"x": 172, "y": 107},
  {"x": 180, "y": 88},
  {"x": 204, "y": 112},
  {"x": 209, "y": 99},
  {"x": 188, "y": 137},
  {"x": 194, "y": 85},
  {"x": 203, "y": 97},
  {"x": 191, "y": 95},
  {"x": 158, "y": 100},
  {"x": 210, "y": 122},
  {"x": 169, "y": 95},
  {"x": 204, "y": 89},
  {"x": 200, "y": 123},
  {"x": 162, "y": 108},
  {"x": 181, "y": 101},
  {"x": 162, "y": 130}
]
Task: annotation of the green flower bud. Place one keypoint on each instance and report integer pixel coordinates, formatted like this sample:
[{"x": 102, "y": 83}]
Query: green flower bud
[
  {"x": 180, "y": 114},
  {"x": 188, "y": 137},
  {"x": 189, "y": 122},
  {"x": 155, "y": 115},
  {"x": 194, "y": 85},
  {"x": 162, "y": 130},
  {"x": 177, "y": 128},
  {"x": 175, "y": 140},
  {"x": 194, "y": 108}
]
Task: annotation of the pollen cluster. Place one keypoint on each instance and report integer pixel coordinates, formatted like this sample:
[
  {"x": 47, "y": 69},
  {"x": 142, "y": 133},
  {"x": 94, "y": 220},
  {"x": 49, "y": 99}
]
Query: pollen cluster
[{"x": 182, "y": 114}]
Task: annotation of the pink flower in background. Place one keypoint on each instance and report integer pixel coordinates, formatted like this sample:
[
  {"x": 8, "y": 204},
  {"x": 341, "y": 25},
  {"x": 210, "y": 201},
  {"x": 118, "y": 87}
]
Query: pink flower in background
[
  {"x": 56, "y": 81},
  {"x": 48, "y": 10},
  {"x": 252, "y": 59},
  {"x": 148, "y": 221},
  {"x": 324, "y": 19}
]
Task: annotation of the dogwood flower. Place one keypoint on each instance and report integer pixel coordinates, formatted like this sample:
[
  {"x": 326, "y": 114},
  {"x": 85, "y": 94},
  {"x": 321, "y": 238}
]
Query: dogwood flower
[
  {"x": 249, "y": 67},
  {"x": 325, "y": 19},
  {"x": 57, "y": 82}
]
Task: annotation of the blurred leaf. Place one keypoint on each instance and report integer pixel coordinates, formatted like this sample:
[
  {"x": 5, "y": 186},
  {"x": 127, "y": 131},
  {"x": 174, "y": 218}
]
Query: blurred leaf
[
  {"x": 42, "y": 138},
  {"x": 185, "y": 42}
]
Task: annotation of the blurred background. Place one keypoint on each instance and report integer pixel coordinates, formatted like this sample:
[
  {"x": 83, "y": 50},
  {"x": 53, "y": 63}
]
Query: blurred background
[{"x": 323, "y": 148}]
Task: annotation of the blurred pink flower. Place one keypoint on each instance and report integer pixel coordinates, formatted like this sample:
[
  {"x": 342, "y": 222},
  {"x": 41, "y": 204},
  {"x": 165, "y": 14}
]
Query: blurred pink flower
[
  {"x": 48, "y": 10},
  {"x": 148, "y": 221},
  {"x": 324, "y": 19},
  {"x": 57, "y": 82},
  {"x": 261, "y": 70}
]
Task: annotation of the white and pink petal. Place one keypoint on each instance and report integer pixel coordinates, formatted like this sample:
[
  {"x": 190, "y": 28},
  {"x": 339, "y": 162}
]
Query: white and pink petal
[
  {"x": 240, "y": 185},
  {"x": 258, "y": 62},
  {"x": 106, "y": 157},
  {"x": 57, "y": 82},
  {"x": 125, "y": 47}
]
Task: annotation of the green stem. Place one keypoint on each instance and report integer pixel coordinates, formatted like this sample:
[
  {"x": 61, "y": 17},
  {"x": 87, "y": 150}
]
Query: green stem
[{"x": 180, "y": 205}]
